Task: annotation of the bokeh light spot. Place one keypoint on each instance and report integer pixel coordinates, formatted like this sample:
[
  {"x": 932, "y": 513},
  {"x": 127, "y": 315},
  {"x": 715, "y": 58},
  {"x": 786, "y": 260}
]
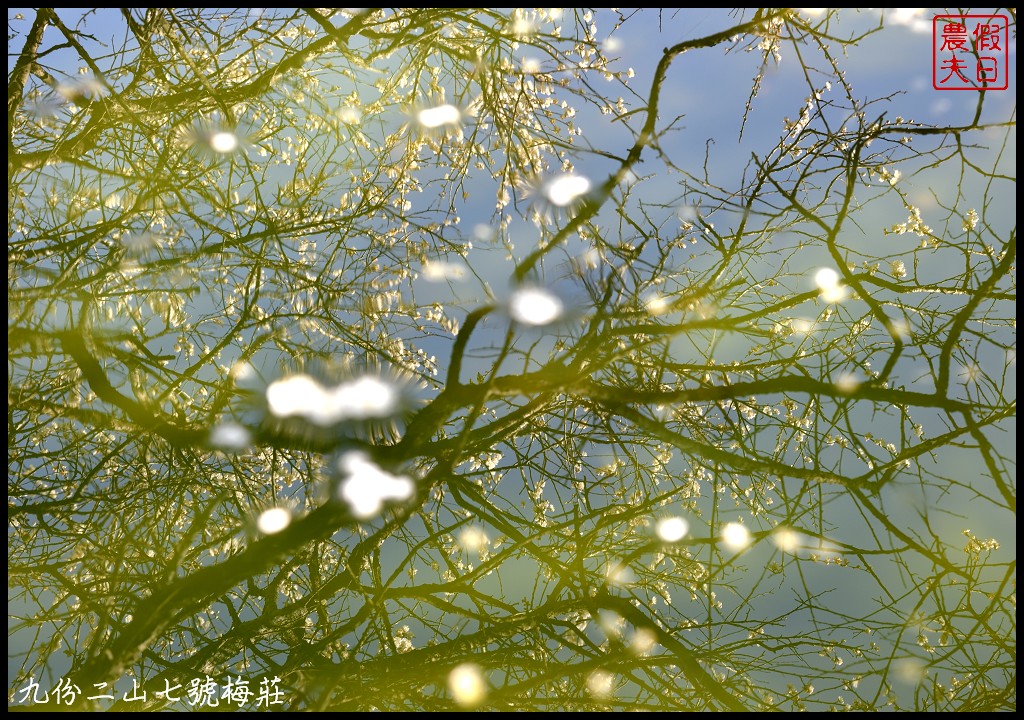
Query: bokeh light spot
[
  {"x": 350, "y": 115},
  {"x": 273, "y": 520},
  {"x": 439, "y": 116},
  {"x": 230, "y": 436},
  {"x": 534, "y": 306},
  {"x": 566, "y": 189},
  {"x": 644, "y": 640},
  {"x": 831, "y": 289},
  {"x": 735, "y": 536},
  {"x": 437, "y": 271},
  {"x": 847, "y": 383},
  {"x": 303, "y": 396},
  {"x": 467, "y": 685},
  {"x": 600, "y": 684},
  {"x": 826, "y": 278},
  {"x": 366, "y": 485},
  {"x": 672, "y": 529},
  {"x": 786, "y": 540},
  {"x": 223, "y": 142}
]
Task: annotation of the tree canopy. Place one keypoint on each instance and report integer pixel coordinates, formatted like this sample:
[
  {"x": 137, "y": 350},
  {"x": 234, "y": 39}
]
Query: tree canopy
[{"x": 426, "y": 359}]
